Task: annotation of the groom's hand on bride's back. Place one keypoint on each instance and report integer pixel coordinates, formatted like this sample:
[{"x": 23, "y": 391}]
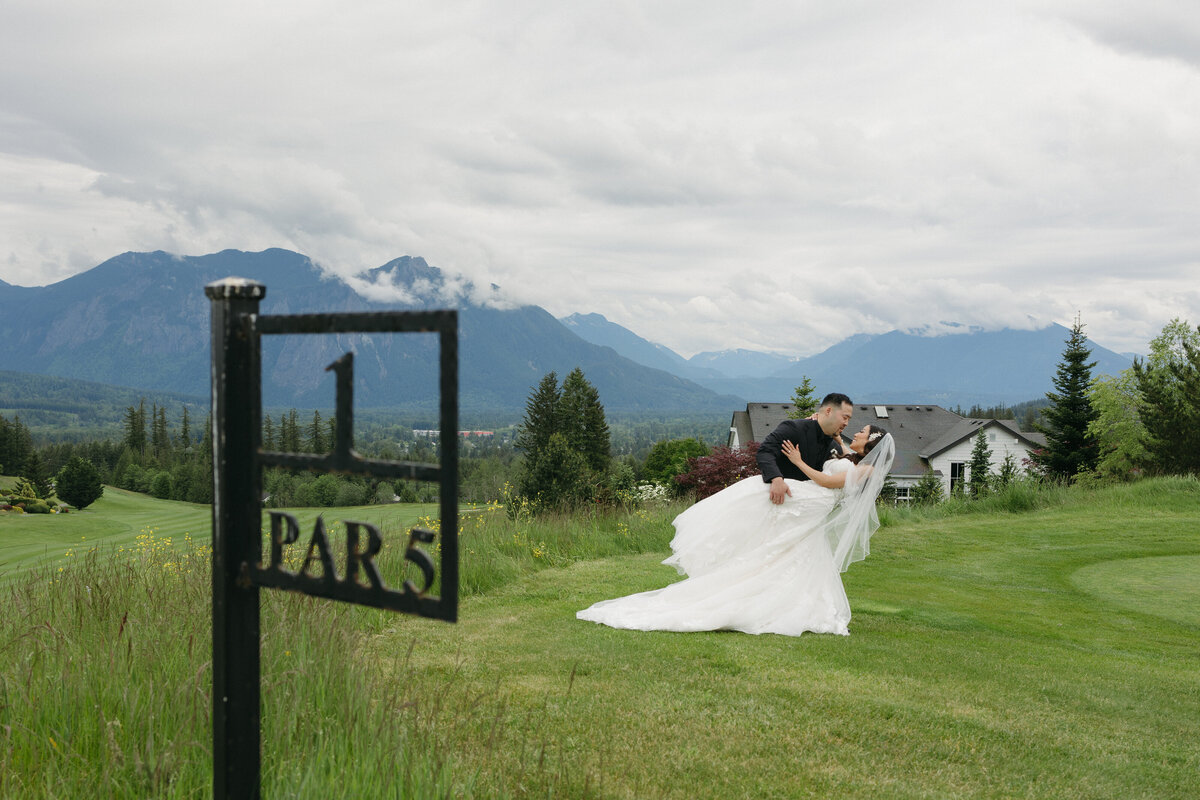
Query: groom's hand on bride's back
[{"x": 779, "y": 490}]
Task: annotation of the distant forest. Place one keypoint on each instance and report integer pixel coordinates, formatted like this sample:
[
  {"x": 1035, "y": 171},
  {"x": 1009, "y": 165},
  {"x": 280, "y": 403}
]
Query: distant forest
[{"x": 158, "y": 443}]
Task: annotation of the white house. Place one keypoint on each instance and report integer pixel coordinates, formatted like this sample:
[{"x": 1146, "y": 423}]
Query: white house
[{"x": 927, "y": 436}]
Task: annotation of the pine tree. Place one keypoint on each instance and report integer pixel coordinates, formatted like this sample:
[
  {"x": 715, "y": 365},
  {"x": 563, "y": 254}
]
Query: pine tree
[
  {"x": 268, "y": 434},
  {"x": 316, "y": 435},
  {"x": 160, "y": 438},
  {"x": 35, "y": 473},
  {"x": 16, "y": 444},
  {"x": 556, "y": 477},
  {"x": 293, "y": 439},
  {"x": 582, "y": 421},
  {"x": 185, "y": 430},
  {"x": 928, "y": 490},
  {"x": 1009, "y": 472},
  {"x": 284, "y": 434},
  {"x": 1070, "y": 448},
  {"x": 206, "y": 447},
  {"x": 981, "y": 462},
  {"x": 135, "y": 428},
  {"x": 79, "y": 483},
  {"x": 804, "y": 401},
  {"x": 541, "y": 417}
]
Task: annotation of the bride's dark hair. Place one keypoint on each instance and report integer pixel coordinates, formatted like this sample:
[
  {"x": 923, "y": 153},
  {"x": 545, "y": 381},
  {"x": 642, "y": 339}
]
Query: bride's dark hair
[{"x": 874, "y": 435}]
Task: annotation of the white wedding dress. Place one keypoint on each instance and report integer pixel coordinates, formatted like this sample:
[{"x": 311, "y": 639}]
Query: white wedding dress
[{"x": 757, "y": 567}]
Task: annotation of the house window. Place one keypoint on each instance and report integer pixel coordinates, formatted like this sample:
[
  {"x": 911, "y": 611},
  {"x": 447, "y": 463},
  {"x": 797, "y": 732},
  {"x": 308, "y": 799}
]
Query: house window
[
  {"x": 992, "y": 436},
  {"x": 958, "y": 471}
]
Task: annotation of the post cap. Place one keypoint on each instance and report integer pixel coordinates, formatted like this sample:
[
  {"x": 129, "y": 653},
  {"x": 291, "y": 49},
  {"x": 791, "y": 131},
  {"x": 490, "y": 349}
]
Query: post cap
[{"x": 235, "y": 289}]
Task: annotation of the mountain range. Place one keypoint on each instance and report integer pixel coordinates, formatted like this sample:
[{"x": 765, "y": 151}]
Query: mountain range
[
  {"x": 141, "y": 320},
  {"x": 974, "y": 367}
]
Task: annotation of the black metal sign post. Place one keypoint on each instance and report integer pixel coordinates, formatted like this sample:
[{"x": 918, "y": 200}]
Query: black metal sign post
[{"x": 238, "y": 458}]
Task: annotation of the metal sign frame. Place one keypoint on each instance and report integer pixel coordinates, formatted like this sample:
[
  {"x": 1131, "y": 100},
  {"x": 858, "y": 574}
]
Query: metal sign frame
[{"x": 238, "y": 459}]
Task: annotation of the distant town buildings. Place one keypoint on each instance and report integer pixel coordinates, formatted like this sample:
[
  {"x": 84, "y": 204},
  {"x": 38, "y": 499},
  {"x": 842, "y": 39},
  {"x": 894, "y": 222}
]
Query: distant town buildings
[{"x": 434, "y": 434}]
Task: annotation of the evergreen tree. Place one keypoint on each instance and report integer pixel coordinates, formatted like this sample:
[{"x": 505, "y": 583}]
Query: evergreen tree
[
  {"x": 161, "y": 486},
  {"x": 285, "y": 431},
  {"x": 79, "y": 483},
  {"x": 135, "y": 428},
  {"x": 16, "y": 444},
  {"x": 556, "y": 477},
  {"x": 268, "y": 434},
  {"x": 1009, "y": 471},
  {"x": 316, "y": 435},
  {"x": 887, "y": 492},
  {"x": 928, "y": 490},
  {"x": 185, "y": 430},
  {"x": 35, "y": 473},
  {"x": 581, "y": 419},
  {"x": 541, "y": 417},
  {"x": 804, "y": 401},
  {"x": 160, "y": 437},
  {"x": 293, "y": 437},
  {"x": 980, "y": 465},
  {"x": 206, "y": 448},
  {"x": 1070, "y": 448}
]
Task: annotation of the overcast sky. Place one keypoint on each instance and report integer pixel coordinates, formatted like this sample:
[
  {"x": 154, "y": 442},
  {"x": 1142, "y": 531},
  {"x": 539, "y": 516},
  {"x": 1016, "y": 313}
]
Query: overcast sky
[{"x": 775, "y": 176}]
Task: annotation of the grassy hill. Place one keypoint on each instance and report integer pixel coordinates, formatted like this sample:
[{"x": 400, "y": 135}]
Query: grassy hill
[{"x": 1046, "y": 653}]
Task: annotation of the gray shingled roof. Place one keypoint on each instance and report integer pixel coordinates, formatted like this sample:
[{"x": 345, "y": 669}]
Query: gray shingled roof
[
  {"x": 967, "y": 428},
  {"x": 914, "y": 427},
  {"x": 765, "y": 417}
]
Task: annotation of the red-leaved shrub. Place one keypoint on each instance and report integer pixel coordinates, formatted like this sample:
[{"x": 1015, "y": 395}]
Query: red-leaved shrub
[{"x": 710, "y": 474}]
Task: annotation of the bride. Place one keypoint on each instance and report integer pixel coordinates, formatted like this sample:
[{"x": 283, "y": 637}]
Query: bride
[{"x": 761, "y": 568}]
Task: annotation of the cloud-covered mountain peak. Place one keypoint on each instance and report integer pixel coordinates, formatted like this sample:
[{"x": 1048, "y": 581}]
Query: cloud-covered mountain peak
[{"x": 412, "y": 282}]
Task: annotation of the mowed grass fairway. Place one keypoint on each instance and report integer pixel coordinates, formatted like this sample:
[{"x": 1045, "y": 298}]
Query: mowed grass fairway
[
  {"x": 1044, "y": 654},
  {"x": 987, "y": 658},
  {"x": 119, "y": 517}
]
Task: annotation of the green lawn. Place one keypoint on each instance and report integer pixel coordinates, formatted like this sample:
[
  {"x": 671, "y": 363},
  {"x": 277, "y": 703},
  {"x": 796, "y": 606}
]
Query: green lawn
[{"x": 1046, "y": 654}]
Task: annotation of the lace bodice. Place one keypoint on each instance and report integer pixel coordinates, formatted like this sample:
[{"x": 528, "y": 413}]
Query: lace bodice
[{"x": 836, "y": 466}]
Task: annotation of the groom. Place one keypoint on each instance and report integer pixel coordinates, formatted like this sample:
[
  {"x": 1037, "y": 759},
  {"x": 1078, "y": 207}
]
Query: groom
[{"x": 817, "y": 439}]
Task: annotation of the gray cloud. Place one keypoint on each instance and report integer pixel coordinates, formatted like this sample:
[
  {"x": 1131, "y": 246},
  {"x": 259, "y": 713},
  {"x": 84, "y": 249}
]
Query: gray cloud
[{"x": 774, "y": 177}]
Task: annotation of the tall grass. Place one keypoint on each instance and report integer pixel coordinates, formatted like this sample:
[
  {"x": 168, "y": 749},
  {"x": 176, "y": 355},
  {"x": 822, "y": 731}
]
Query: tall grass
[
  {"x": 105, "y": 670},
  {"x": 1016, "y": 498},
  {"x": 496, "y": 548}
]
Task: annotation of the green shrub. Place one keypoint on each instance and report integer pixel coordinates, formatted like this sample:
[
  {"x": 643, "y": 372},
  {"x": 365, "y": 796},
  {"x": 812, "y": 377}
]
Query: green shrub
[
  {"x": 160, "y": 485},
  {"x": 79, "y": 483},
  {"x": 350, "y": 494}
]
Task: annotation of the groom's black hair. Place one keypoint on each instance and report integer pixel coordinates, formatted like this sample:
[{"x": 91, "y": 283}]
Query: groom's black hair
[{"x": 835, "y": 399}]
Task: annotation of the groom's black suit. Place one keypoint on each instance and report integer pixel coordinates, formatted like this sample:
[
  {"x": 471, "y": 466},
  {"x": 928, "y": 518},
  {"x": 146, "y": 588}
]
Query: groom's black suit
[{"x": 815, "y": 448}]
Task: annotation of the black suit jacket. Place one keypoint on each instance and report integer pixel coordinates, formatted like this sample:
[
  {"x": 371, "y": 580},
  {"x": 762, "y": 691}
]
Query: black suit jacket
[{"x": 815, "y": 448}]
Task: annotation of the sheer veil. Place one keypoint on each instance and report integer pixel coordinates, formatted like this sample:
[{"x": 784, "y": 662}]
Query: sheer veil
[{"x": 849, "y": 526}]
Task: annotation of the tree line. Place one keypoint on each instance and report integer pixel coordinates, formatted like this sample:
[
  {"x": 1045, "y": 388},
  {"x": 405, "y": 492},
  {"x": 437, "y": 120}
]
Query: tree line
[{"x": 1142, "y": 421}]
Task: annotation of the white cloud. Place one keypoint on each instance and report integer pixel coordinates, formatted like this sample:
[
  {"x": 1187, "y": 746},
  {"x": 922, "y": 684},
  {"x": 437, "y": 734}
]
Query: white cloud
[{"x": 813, "y": 170}]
